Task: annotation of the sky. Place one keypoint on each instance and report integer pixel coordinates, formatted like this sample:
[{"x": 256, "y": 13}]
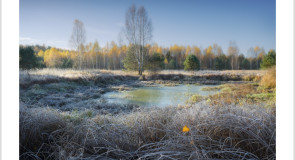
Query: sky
[{"x": 248, "y": 23}]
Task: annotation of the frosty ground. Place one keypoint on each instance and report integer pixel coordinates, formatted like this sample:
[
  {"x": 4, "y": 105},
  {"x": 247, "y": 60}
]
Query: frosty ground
[{"x": 63, "y": 116}]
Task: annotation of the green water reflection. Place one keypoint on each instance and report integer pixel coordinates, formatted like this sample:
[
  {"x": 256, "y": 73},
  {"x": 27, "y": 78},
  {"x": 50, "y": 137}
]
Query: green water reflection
[{"x": 157, "y": 96}]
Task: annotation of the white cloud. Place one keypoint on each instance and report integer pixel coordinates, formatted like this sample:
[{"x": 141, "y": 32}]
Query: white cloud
[
  {"x": 24, "y": 38},
  {"x": 32, "y": 41}
]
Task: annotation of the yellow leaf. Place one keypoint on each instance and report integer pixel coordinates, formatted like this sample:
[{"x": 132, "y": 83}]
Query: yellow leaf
[
  {"x": 166, "y": 61},
  {"x": 185, "y": 129}
]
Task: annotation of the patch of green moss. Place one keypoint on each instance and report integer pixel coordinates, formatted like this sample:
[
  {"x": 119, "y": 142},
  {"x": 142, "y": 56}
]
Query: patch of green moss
[
  {"x": 214, "y": 88},
  {"x": 226, "y": 89},
  {"x": 87, "y": 114},
  {"x": 77, "y": 117},
  {"x": 195, "y": 98},
  {"x": 61, "y": 87},
  {"x": 261, "y": 96}
]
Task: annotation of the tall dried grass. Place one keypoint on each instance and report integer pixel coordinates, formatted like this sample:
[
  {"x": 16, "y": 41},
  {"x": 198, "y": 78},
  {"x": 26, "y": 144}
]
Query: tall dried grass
[
  {"x": 269, "y": 79},
  {"x": 226, "y": 132}
]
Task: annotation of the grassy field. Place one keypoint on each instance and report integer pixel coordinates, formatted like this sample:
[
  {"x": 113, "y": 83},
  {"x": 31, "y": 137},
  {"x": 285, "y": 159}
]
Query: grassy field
[{"x": 62, "y": 116}]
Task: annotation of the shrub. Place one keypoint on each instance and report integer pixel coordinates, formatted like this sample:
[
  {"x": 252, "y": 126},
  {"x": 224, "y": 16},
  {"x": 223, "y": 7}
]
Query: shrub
[
  {"x": 27, "y": 58},
  {"x": 155, "y": 62},
  {"x": 269, "y": 60},
  {"x": 130, "y": 62},
  {"x": 171, "y": 64},
  {"x": 191, "y": 63}
]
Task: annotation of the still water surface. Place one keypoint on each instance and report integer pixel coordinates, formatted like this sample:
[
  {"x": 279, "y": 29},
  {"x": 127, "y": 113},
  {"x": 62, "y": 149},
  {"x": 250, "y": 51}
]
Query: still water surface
[{"x": 157, "y": 96}]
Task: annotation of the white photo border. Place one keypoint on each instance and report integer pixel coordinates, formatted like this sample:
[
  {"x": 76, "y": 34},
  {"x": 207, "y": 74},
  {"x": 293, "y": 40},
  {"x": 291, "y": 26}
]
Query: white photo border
[{"x": 10, "y": 79}]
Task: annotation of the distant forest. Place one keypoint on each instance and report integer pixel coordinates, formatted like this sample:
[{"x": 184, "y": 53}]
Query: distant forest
[{"x": 112, "y": 57}]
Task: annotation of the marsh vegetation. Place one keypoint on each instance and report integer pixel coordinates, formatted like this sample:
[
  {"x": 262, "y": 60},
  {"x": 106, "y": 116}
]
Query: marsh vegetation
[{"x": 64, "y": 115}]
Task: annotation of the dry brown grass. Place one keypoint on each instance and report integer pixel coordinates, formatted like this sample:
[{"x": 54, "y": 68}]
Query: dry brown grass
[
  {"x": 232, "y": 93},
  {"x": 227, "y": 132},
  {"x": 269, "y": 79},
  {"x": 262, "y": 91},
  {"x": 241, "y": 94}
]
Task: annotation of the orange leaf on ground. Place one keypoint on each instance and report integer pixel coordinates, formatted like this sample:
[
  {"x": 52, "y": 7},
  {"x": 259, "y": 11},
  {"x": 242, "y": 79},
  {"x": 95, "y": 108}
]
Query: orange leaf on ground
[{"x": 185, "y": 129}]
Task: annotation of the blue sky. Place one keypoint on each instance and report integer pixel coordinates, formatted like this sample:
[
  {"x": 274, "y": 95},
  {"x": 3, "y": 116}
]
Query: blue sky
[{"x": 249, "y": 23}]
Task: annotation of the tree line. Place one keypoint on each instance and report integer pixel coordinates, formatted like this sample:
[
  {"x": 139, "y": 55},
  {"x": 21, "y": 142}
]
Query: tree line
[{"x": 115, "y": 57}]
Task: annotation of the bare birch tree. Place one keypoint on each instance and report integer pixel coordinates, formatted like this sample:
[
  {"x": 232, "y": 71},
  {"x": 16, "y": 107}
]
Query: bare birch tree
[
  {"x": 250, "y": 54},
  {"x": 96, "y": 51},
  {"x": 78, "y": 38},
  {"x": 138, "y": 31},
  {"x": 233, "y": 52}
]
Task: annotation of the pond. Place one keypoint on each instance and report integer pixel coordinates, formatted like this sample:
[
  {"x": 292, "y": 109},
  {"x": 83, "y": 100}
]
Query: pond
[{"x": 157, "y": 96}]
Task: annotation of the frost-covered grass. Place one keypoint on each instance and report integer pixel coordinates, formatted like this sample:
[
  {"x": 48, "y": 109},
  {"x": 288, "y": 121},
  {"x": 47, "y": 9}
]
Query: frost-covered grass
[
  {"x": 55, "y": 73},
  {"x": 63, "y": 116},
  {"x": 88, "y": 72},
  {"x": 48, "y": 75},
  {"x": 227, "y": 132},
  {"x": 214, "y": 72}
]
